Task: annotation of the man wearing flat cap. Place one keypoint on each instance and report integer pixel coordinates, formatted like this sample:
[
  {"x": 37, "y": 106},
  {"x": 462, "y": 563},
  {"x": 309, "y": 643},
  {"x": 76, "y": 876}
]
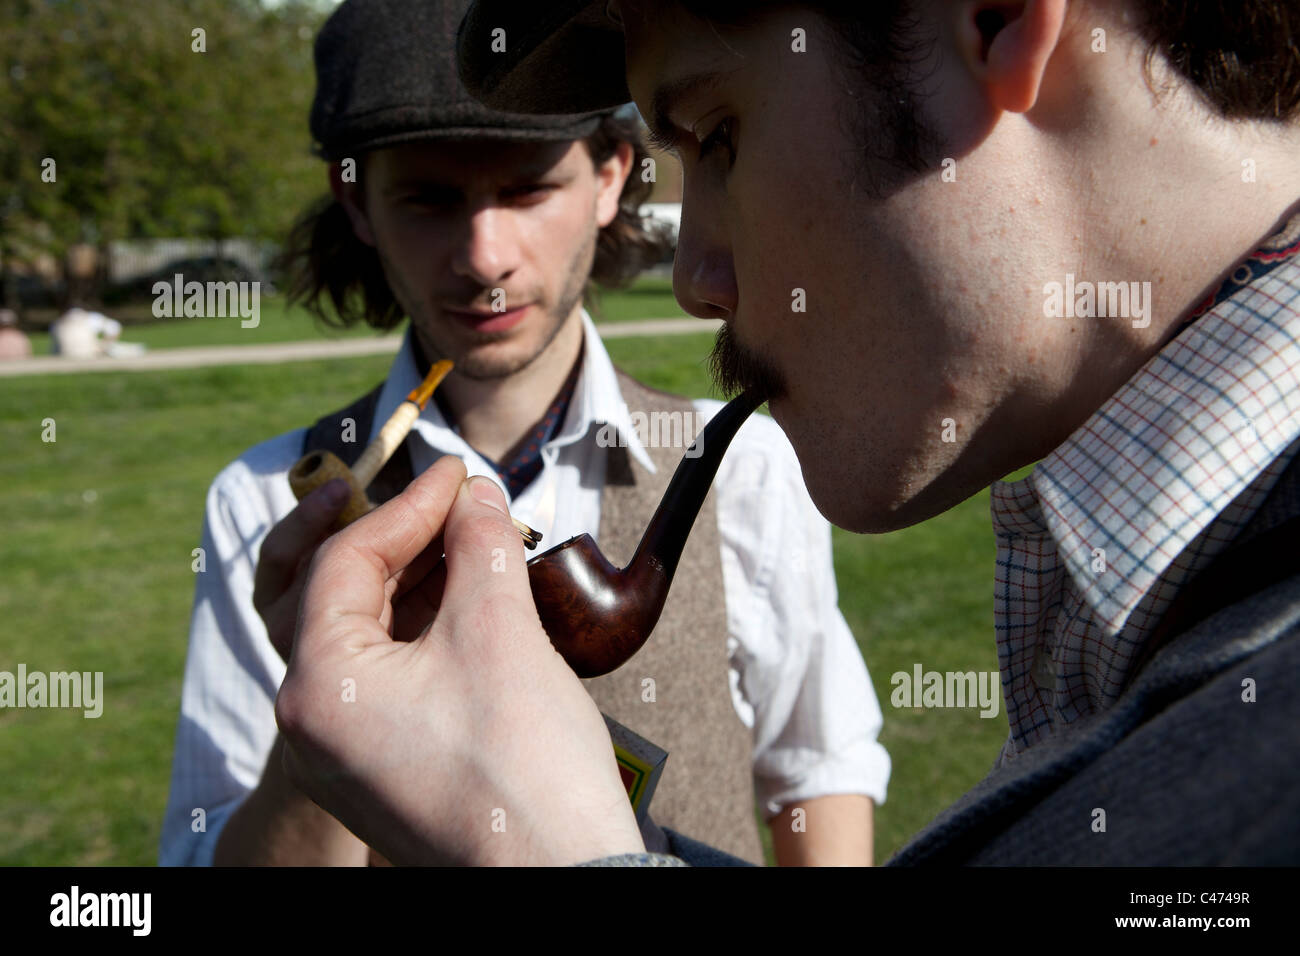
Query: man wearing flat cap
[{"x": 444, "y": 211}]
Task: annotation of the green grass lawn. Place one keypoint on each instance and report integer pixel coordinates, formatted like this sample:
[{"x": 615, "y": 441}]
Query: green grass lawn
[
  {"x": 95, "y": 576},
  {"x": 647, "y": 298}
]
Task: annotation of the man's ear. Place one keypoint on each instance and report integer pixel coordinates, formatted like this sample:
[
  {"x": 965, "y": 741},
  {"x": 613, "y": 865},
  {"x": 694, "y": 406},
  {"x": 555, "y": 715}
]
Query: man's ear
[
  {"x": 1008, "y": 46},
  {"x": 351, "y": 196},
  {"x": 610, "y": 177}
]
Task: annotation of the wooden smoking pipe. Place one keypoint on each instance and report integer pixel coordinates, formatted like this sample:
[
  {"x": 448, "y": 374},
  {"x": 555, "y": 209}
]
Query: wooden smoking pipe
[
  {"x": 597, "y": 615},
  {"x": 317, "y": 467}
]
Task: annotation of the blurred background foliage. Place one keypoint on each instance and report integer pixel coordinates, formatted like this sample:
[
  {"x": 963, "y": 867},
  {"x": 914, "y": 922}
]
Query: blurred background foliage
[{"x": 149, "y": 136}]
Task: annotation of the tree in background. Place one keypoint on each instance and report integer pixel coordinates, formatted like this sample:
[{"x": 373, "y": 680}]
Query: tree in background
[{"x": 172, "y": 118}]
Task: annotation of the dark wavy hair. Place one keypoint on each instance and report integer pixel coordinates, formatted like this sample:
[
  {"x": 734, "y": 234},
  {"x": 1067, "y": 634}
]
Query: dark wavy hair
[
  {"x": 327, "y": 269},
  {"x": 1242, "y": 56}
]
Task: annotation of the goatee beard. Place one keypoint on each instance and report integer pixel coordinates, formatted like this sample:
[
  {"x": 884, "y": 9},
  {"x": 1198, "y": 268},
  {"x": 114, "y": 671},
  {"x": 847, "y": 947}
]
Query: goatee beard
[{"x": 736, "y": 369}]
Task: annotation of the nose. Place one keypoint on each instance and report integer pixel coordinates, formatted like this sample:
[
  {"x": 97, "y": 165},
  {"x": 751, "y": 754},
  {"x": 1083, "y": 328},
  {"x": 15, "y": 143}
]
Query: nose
[
  {"x": 704, "y": 277},
  {"x": 488, "y": 251}
]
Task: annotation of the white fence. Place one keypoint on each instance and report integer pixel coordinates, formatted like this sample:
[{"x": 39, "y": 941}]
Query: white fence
[{"x": 143, "y": 257}]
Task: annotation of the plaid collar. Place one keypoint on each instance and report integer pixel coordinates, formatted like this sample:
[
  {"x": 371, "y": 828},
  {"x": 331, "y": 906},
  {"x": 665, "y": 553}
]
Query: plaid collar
[{"x": 1095, "y": 542}]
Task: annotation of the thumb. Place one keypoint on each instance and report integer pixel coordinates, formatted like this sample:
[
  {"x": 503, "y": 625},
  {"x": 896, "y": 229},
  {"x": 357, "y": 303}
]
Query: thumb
[{"x": 485, "y": 557}]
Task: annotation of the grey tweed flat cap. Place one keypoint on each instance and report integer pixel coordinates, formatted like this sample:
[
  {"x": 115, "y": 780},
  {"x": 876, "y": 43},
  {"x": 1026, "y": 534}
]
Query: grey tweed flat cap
[
  {"x": 386, "y": 74},
  {"x": 544, "y": 56}
]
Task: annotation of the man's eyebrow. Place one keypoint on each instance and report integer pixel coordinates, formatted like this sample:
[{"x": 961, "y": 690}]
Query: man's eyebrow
[
  {"x": 667, "y": 96},
  {"x": 403, "y": 182}
]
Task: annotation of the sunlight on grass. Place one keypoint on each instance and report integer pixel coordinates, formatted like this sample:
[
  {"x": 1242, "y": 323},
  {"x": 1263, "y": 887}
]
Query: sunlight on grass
[{"x": 647, "y": 298}]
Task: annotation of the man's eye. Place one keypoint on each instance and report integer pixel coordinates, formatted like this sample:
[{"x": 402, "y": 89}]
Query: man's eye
[
  {"x": 430, "y": 197},
  {"x": 530, "y": 191},
  {"x": 720, "y": 137}
]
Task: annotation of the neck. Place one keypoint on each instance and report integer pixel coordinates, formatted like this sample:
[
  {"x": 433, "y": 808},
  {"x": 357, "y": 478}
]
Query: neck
[
  {"x": 1158, "y": 188},
  {"x": 1158, "y": 198},
  {"x": 494, "y": 415}
]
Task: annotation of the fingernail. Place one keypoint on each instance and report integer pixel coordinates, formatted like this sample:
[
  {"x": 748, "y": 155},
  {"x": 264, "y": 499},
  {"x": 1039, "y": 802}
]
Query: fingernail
[
  {"x": 335, "y": 491},
  {"x": 486, "y": 491}
]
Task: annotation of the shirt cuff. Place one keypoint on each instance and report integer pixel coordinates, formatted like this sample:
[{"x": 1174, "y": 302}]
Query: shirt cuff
[
  {"x": 684, "y": 852},
  {"x": 863, "y": 768},
  {"x": 637, "y": 859}
]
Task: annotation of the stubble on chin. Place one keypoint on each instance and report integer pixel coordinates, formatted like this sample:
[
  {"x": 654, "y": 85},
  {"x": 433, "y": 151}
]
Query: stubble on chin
[
  {"x": 476, "y": 363},
  {"x": 487, "y": 366}
]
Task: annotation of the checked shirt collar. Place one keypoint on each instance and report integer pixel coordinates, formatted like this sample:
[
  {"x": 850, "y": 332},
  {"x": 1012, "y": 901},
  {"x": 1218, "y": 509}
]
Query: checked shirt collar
[{"x": 1096, "y": 541}]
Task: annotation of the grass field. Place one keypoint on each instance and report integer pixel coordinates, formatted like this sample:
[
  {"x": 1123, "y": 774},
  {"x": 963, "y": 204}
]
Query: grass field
[
  {"x": 95, "y": 576},
  {"x": 648, "y": 297}
]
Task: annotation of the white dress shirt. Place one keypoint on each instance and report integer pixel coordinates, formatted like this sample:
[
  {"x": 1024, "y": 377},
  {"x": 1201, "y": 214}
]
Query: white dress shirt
[{"x": 797, "y": 677}]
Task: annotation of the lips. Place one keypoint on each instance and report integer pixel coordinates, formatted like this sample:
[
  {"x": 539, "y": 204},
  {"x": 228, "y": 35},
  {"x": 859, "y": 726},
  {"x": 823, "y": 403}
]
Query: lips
[{"x": 488, "y": 321}]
